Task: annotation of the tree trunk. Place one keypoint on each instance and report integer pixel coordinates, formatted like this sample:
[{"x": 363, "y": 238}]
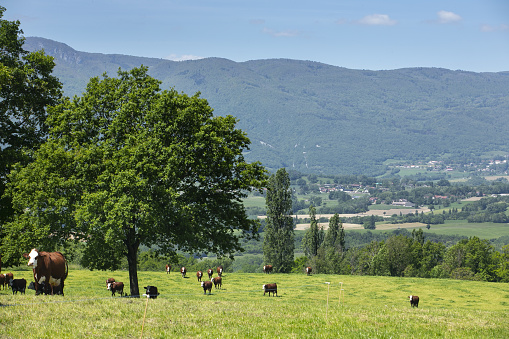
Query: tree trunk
[{"x": 132, "y": 261}]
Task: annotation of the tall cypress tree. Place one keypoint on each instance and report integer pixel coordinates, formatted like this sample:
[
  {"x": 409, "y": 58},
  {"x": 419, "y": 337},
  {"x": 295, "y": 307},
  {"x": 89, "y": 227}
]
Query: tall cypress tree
[{"x": 278, "y": 243}]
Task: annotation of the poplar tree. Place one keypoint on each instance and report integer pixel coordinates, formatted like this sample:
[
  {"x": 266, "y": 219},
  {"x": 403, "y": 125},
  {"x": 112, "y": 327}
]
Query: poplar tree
[{"x": 278, "y": 243}]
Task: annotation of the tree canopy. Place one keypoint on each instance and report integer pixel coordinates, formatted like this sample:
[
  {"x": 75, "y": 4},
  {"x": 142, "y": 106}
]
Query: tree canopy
[
  {"x": 127, "y": 165},
  {"x": 27, "y": 87}
]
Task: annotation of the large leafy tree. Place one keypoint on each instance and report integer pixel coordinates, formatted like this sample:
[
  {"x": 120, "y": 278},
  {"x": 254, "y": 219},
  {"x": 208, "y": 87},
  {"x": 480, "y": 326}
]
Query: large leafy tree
[
  {"x": 127, "y": 165},
  {"x": 278, "y": 242},
  {"x": 26, "y": 89}
]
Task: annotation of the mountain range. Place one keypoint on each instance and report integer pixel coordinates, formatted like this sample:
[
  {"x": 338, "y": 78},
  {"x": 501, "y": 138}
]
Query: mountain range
[{"x": 317, "y": 118}]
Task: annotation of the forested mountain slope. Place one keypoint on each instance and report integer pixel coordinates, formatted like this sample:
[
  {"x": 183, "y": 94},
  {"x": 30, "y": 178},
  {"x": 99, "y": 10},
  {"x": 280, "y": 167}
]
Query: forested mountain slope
[{"x": 318, "y": 118}]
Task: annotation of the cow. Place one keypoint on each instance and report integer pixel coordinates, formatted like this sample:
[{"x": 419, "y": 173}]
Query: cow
[
  {"x": 18, "y": 285},
  {"x": 49, "y": 267},
  {"x": 308, "y": 270},
  {"x": 207, "y": 285},
  {"x": 217, "y": 282},
  {"x": 116, "y": 286},
  {"x": 151, "y": 292},
  {"x": 183, "y": 271},
  {"x": 199, "y": 275},
  {"x": 414, "y": 301},
  {"x": 220, "y": 271},
  {"x": 8, "y": 277},
  {"x": 46, "y": 289},
  {"x": 270, "y": 288},
  {"x": 210, "y": 272},
  {"x": 2, "y": 281},
  {"x": 168, "y": 268},
  {"x": 109, "y": 281},
  {"x": 267, "y": 269}
]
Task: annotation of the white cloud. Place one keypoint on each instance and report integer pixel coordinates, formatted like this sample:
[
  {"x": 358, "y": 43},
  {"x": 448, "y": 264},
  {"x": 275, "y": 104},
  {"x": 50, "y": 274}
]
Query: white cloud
[
  {"x": 377, "y": 20},
  {"x": 490, "y": 28},
  {"x": 183, "y": 57},
  {"x": 287, "y": 33},
  {"x": 445, "y": 17}
]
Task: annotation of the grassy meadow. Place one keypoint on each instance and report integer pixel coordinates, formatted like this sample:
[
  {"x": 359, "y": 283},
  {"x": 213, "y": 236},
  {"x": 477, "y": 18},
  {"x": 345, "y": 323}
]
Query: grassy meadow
[{"x": 371, "y": 307}]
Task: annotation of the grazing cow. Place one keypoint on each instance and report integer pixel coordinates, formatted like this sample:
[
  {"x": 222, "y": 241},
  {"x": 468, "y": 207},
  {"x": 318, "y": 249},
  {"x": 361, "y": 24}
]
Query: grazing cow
[
  {"x": 183, "y": 271},
  {"x": 199, "y": 274},
  {"x": 220, "y": 271},
  {"x": 414, "y": 301},
  {"x": 18, "y": 285},
  {"x": 308, "y": 270},
  {"x": 168, "y": 269},
  {"x": 210, "y": 272},
  {"x": 109, "y": 281},
  {"x": 116, "y": 286},
  {"x": 270, "y": 288},
  {"x": 267, "y": 269},
  {"x": 151, "y": 292},
  {"x": 49, "y": 267},
  {"x": 2, "y": 281},
  {"x": 207, "y": 285},
  {"x": 217, "y": 282},
  {"x": 8, "y": 277}
]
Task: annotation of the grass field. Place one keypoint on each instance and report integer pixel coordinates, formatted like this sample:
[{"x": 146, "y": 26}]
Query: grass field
[{"x": 371, "y": 307}]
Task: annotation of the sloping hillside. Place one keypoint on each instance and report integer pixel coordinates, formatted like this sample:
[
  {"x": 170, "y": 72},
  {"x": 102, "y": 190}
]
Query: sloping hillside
[{"x": 314, "y": 117}]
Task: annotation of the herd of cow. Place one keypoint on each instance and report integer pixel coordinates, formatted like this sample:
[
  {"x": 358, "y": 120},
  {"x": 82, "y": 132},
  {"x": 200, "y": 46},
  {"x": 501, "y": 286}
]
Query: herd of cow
[{"x": 50, "y": 270}]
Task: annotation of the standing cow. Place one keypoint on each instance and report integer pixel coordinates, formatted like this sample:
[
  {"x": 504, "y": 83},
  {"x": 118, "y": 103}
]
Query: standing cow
[
  {"x": 308, "y": 270},
  {"x": 168, "y": 269},
  {"x": 270, "y": 288},
  {"x": 116, "y": 286},
  {"x": 199, "y": 275},
  {"x": 8, "y": 277},
  {"x": 207, "y": 285},
  {"x": 210, "y": 272},
  {"x": 217, "y": 282},
  {"x": 2, "y": 281},
  {"x": 18, "y": 285},
  {"x": 267, "y": 269},
  {"x": 183, "y": 271},
  {"x": 48, "y": 267},
  {"x": 220, "y": 271},
  {"x": 414, "y": 301},
  {"x": 109, "y": 281}
]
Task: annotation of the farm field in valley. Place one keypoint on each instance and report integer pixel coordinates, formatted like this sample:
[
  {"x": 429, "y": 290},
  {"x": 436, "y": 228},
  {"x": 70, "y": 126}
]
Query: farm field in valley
[{"x": 370, "y": 307}]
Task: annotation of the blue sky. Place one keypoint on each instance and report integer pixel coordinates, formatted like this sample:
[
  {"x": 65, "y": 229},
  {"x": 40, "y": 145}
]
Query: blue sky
[{"x": 373, "y": 34}]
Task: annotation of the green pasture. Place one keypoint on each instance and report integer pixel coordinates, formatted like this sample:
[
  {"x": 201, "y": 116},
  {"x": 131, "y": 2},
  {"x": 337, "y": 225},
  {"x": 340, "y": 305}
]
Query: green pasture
[
  {"x": 371, "y": 307},
  {"x": 485, "y": 230}
]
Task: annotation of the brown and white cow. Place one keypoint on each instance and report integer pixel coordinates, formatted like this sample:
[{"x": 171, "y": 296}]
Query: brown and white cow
[
  {"x": 199, "y": 275},
  {"x": 218, "y": 281},
  {"x": 183, "y": 271},
  {"x": 116, "y": 286},
  {"x": 109, "y": 281},
  {"x": 270, "y": 288},
  {"x": 220, "y": 271},
  {"x": 8, "y": 277},
  {"x": 48, "y": 267},
  {"x": 267, "y": 269},
  {"x": 207, "y": 286},
  {"x": 414, "y": 301},
  {"x": 168, "y": 269},
  {"x": 308, "y": 270},
  {"x": 210, "y": 272}
]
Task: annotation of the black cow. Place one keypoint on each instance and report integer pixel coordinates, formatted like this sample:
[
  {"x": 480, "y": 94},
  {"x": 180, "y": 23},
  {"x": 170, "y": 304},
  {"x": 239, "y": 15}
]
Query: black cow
[
  {"x": 18, "y": 285},
  {"x": 151, "y": 292}
]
